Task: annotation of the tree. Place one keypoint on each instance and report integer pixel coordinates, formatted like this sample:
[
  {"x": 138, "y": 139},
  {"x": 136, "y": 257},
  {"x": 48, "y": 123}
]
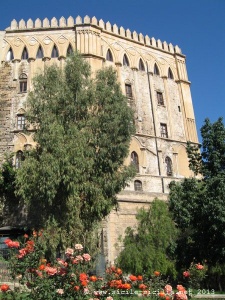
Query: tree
[
  {"x": 198, "y": 204},
  {"x": 83, "y": 130},
  {"x": 152, "y": 245}
]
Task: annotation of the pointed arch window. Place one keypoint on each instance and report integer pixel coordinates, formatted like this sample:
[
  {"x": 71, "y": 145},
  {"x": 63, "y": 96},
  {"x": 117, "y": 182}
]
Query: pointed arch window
[
  {"x": 23, "y": 83},
  {"x": 109, "y": 56},
  {"x": 19, "y": 159},
  {"x": 137, "y": 185},
  {"x": 9, "y": 55},
  {"x": 125, "y": 61},
  {"x": 55, "y": 52},
  {"x": 169, "y": 170},
  {"x": 25, "y": 54},
  {"x": 141, "y": 65},
  {"x": 156, "y": 70},
  {"x": 170, "y": 74},
  {"x": 134, "y": 160},
  {"x": 69, "y": 50},
  {"x": 40, "y": 53}
]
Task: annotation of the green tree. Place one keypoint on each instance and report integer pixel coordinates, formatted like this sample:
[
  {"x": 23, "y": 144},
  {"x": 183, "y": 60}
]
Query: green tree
[
  {"x": 83, "y": 130},
  {"x": 151, "y": 246}
]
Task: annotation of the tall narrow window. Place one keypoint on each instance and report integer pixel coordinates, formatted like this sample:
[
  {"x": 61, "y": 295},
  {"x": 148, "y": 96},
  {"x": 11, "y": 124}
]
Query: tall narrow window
[
  {"x": 9, "y": 55},
  {"x": 156, "y": 69},
  {"x": 160, "y": 100},
  {"x": 69, "y": 50},
  {"x": 19, "y": 159},
  {"x": 170, "y": 74},
  {"x": 23, "y": 83},
  {"x": 141, "y": 65},
  {"x": 128, "y": 89},
  {"x": 163, "y": 130},
  {"x": 169, "y": 170},
  {"x": 20, "y": 122},
  {"x": 125, "y": 61},
  {"x": 109, "y": 56},
  {"x": 55, "y": 52},
  {"x": 39, "y": 53},
  {"x": 25, "y": 54},
  {"x": 137, "y": 185},
  {"x": 134, "y": 160}
]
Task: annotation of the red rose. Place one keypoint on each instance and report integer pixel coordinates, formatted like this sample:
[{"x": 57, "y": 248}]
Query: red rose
[{"x": 4, "y": 287}]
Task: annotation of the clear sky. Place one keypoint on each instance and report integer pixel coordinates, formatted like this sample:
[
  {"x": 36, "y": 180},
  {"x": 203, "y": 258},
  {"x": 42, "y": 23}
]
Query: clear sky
[{"x": 196, "y": 26}]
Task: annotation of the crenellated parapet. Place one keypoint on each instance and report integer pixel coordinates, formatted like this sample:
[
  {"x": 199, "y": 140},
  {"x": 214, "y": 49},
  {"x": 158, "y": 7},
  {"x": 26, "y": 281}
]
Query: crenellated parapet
[{"x": 104, "y": 26}]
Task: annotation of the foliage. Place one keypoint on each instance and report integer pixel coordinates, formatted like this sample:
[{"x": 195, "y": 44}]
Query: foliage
[
  {"x": 83, "y": 128},
  {"x": 152, "y": 246},
  {"x": 195, "y": 275}
]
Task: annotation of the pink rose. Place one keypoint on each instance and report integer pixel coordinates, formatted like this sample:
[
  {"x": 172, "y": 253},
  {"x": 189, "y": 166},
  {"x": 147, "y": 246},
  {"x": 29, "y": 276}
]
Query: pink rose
[
  {"x": 78, "y": 247},
  {"x": 50, "y": 271},
  {"x": 69, "y": 251},
  {"x": 86, "y": 257},
  {"x": 199, "y": 266},
  {"x": 186, "y": 274},
  {"x": 60, "y": 291},
  {"x": 168, "y": 289}
]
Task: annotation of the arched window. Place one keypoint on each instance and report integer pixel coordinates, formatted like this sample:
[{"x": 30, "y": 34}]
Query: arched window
[
  {"x": 25, "y": 54},
  {"x": 134, "y": 160},
  {"x": 23, "y": 83},
  {"x": 109, "y": 56},
  {"x": 170, "y": 74},
  {"x": 19, "y": 159},
  {"x": 39, "y": 53},
  {"x": 9, "y": 55},
  {"x": 141, "y": 65},
  {"x": 69, "y": 50},
  {"x": 20, "y": 121},
  {"x": 156, "y": 70},
  {"x": 55, "y": 52},
  {"x": 137, "y": 185},
  {"x": 125, "y": 60},
  {"x": 169, "y": 170}
]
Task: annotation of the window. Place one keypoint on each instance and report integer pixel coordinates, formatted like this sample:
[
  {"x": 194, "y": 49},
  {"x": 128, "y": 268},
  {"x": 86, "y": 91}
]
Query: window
[
  {"x": 39, "y": 53},
  {"x": 69, "y": 50},
  {"x": 141, "y": 65},
  {"x": 160, "y": 98},
  {"x": 156, "y": 70},
  {"x": 23, "y": 83},
  {"x": 9, "y": 55},
  {"x": 163, "y": 130},
  {"x": 109, "y": 56},
  {"x": 20, "y": 122},
  {"x": 128, "y": 89},
  {"x": 25, "y": 54},
  {"x": 125, "y": 61},
  {"x": 168, "y": 162},
  {"x": 170, "y": 74},
  {"x": 137, "y": 185},
  {"x": 55, "y": 52},
  {"x": 134, "y": 160},
  {"x": 19, "y": 159}
]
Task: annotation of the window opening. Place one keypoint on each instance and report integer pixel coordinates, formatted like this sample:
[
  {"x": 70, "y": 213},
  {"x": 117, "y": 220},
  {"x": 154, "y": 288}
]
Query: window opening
[
  {"x": 170, "y": 74},
  {"x": 128, "y": 89},
  {"x": 23, "y": 83},
  {"x": 19, "y": 159},
  {"x": 25, "y": 54},
  {"x": 40, "y": 53},
  {"x": 20, "y": 122},
  {"x": 163, "y": 130},
  {"x": 55, "y": 52},
  {"x": 9, "y": 55},
  {"x": 156, "y": 69},
  {"x": 141, "y": 65},
  {"x": 125, "y": 61},
  {"x": 134, "y": 160},
  {"x": 109, "y": 56},
  {"x": 137, "y": 185},
  {"x": 69, "y": 50},
  {"x": 160, "y": 99},
  {"x": 168, "y": 162}
]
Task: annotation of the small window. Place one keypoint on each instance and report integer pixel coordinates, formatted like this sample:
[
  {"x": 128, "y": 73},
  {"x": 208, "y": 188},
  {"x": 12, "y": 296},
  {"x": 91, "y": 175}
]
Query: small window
[
  {"x": 25, "y": 54},
  {"x": 163, "y": 130},
  {"x": 40, "y": 53},
  {"x": 125, "y": 61},
  {"x": 20, "y": 122},
  {"x": 170, "y": 74},
  {"x": 23, "y": 83},
  {"x": 19, "y": 159},
  {"x": 156, "y": 70},
  {"x": 141, "y": 65},
  {"x": 128, "y": 89},
  {"x": 9, "y": 55},
  {"x": 134, "y": 160},
  {"x": 169, "y": 170},
  {"x": 55, "y": 52},
  {"x": 69, "y": 50},
  {"x": 137, "y": 185},
  {"x": 160, "y": 98},
  {"x": 179, "y": 108},
  {"x": 109, "y": 56}
]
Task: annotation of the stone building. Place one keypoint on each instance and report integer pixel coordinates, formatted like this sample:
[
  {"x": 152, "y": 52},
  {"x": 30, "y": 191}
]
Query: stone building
[{"x": 153, "y": 76}]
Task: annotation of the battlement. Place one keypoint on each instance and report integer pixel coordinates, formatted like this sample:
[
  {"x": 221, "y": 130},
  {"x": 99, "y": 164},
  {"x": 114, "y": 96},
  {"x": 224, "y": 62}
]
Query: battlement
[{"x": 114, "y": 29}]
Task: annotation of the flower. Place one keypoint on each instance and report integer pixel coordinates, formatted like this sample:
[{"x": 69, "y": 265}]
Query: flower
[
  {"x": 50, "y": 270},
  {"x": 76, "y": 288},
  {"x": 4, "y": 287},
  {"x": 199, "y": 266},
  {"x": 168, "y": 289},
  {"x": 186, "y": 274},
  {"x": 142, "y": 286},
  {"x": 181, "y": 295},
  {"x": 181, "y": 288},
  {"x": 41, "y": 267},
  {"x": 109, "y": 298},
  {"x": 60, "y": 291},
  {"x": 162, "y": 294},
  {"x": 139, "y": 278},
  {"x": 83, "y": 277},
  {"x": 93, "y": 278},
  {"x": 156, "y": 273},
  {"x": 86, "y": 257},
  {"x": 12, "y": 244},
  {"x": 133, "y": 278},
  {"x": 78, "y": 247},
  {"x": 69, "y": 251},
  {"x": 119, "y": 271}
]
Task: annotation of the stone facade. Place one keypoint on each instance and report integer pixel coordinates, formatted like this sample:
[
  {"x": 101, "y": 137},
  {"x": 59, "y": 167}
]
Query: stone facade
[{"x": 154, "y": 78}]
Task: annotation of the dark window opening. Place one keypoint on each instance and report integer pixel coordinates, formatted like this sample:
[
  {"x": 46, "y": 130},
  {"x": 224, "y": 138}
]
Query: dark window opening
[
  {"x": 40, "y": 53},
  {"x": 69, "y": 50},
  {"x": 109, "y": 56},
  {"x": 23, "y": 83},
  {"x": 128, "y": 89},
  {"x": 125, "y": 61},
  {"x": 25, "y": 54},
  {"x": 137, "y": 185},
  {"x": 160, "y": 98},
  {"x": 156, "y": 69},
  {"x": 19, "y": 159},
  {"x": 134, "y": 160},
  {"x": 169, "y": 171},
  {"x": 55, "y": 52},
  {"x": 163, "y": 130},
  {"x": 170, "y": 74},
  {"x": 20, "y": 122},
  {"x": 141, "y": 65}
]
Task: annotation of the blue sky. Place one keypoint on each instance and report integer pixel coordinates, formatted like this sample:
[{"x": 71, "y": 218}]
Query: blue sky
[{"x": 196, "y": 26}]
